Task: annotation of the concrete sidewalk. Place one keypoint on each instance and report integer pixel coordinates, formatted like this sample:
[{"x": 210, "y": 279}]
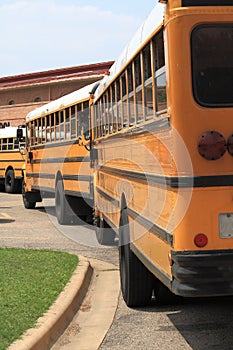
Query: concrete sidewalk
[{"x": 81, "y": 315}]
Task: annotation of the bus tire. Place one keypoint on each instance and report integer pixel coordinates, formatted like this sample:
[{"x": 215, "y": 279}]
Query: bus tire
[
  {"x": 136, "y": 280},
  {"x": 2, "y": 186},
  {"x": 105, "y": 235},
  {"x": 27, "y": 204},
  {"x": 62, "y": 205},
  {"x": 11, "y": 184}
]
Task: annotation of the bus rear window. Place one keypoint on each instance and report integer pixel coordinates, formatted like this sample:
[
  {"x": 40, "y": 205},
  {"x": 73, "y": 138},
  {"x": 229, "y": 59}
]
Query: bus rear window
[{"x": 212, "y": 65}]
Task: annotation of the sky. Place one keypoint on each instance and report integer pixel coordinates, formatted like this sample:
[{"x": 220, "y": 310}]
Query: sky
[{"x": 39, "y": 35}]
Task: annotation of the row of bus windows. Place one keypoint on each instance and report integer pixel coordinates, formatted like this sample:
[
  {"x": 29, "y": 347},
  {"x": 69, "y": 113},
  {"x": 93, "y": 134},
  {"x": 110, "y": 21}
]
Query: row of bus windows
[
  {"x": 9, "y": 144},
  {"x": 138, "y": 94},
  {"x": 67, "y": 124}
]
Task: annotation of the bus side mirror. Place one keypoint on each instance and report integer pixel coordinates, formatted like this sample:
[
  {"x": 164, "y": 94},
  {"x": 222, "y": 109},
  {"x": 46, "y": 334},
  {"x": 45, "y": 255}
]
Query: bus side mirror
[{"x": 19, "y": 134}]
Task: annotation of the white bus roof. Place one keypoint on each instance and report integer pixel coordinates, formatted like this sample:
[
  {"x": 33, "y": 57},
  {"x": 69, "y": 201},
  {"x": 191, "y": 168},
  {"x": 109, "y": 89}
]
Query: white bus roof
[
  {"x": 154, "y": 19},
  {"x": 8, "y": 131},
  {"x": 73, "y": 97}
]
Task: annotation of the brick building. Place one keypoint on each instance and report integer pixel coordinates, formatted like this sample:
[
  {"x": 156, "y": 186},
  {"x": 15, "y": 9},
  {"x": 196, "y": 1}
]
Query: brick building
[{"x": 22, "y": 93}]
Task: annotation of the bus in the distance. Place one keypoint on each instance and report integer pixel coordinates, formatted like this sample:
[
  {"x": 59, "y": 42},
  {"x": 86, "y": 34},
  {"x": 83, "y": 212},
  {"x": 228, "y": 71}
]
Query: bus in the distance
[
  {"x": 57, "y": 156},
  {"x": 11, "y": 160},
  {"x": 162, "y": 154}
]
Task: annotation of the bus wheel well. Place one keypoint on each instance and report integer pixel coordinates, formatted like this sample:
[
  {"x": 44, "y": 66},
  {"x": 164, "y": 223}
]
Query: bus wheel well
[
  {"x": 123, "y": 208},
  {"x": 9, "y": 168},
  {"x": 58, "y": 177},
  {"x": 123, "y": 201}
]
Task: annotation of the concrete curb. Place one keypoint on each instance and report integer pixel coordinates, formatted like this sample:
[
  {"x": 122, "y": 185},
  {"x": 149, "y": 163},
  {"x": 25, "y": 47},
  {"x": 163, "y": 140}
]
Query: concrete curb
[
  {"x": 50, "y": 326},
  {"x": 95, "y": 316}
]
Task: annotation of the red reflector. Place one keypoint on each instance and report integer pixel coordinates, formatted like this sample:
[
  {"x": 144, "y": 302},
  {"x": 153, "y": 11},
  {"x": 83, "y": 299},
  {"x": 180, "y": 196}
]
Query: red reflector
[
  {"x": 211, "y": 145},
  {"x": 200, "y": 240},
  {"x": 230, "y": 144}
]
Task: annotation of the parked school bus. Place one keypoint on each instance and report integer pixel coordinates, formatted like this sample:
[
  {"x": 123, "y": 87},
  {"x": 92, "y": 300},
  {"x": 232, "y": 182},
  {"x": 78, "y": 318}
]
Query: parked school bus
[
  {"x": 162, "y": 154},
  {"x": 57, "y": 156},
  {"x": 11, "y": 160}
]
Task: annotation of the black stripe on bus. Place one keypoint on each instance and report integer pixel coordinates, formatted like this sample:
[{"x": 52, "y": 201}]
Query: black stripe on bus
[
  {"x": 15, "y": 169},
  {"x": 77, "y": 177},
  {"x": 85, "y": 195},
  {"x": 152, "y": 227},
  {"x": 40, "y": 176},
  {"x": 61, "y": 160},
  {"x": 45, "y": 190},
  {"x": 55, "y": 144},
  {"x": 65, "y": 177},
  {"x": 114, "y": 201},
  {"x": 51, "y": 191},
  {"x": 11, "y": 160},
  {"x": 173, "y": 182},
  {"x": 149, "y": 225},
  {"x": 7, "y": 152}
]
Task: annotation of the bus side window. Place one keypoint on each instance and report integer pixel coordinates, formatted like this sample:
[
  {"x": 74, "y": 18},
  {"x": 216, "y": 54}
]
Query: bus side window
[
  {"x": 160, "y": 74},
  {"x": 10, "y": 144},
  {"x": 147, "y": 76},
  {"x": 16, "y": 143},
  {"x": 73, "y": 122},
  {"x": 84, "y": 122},
  {"x": 4, "y": 144},
  {"x": 161, "y": 96}
]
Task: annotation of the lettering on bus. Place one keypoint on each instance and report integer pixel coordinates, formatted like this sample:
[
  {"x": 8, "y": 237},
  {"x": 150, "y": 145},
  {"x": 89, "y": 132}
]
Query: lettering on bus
[{"x": 4, "y": 125}]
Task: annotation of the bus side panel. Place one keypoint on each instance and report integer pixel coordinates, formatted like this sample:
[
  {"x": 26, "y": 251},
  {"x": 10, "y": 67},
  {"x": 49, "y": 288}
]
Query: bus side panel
[{"x": 71, "y": 161}]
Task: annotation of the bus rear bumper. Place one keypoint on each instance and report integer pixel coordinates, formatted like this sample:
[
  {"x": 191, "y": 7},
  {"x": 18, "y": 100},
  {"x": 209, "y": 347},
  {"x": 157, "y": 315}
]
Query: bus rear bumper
[{"x": 202, "y": 274}]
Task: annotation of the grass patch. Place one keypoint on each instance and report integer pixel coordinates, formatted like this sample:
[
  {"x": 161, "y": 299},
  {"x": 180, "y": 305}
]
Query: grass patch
[{"x": 30, "y": 281}]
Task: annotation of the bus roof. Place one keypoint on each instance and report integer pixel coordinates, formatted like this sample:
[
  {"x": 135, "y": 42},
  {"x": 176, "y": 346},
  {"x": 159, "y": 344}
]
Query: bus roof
[
  {"x": 73, "y": 97},
  {"x": 147, "y": 28}
]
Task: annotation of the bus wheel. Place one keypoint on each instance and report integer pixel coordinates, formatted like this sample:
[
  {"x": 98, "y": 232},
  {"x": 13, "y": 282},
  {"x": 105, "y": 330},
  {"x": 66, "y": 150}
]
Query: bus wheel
[
  {"x": 136, "y": 280},
  {"x": 62, "y": 206},
  {"x": 11, "y": 184},
  {"x": 105, "y": 235},
  {"x": 2, "y": 186},
  {"x": 27, "y": 204}
]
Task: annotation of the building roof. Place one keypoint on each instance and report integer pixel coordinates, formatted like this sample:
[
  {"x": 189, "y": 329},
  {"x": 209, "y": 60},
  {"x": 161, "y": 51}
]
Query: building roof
[
  {"x": 62, "y": 102},
  {"x": 56, "y": 75}
]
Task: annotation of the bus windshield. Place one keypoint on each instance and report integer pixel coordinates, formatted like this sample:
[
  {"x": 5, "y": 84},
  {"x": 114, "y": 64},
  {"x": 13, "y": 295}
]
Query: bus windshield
[{"x": 212, "y": 64}]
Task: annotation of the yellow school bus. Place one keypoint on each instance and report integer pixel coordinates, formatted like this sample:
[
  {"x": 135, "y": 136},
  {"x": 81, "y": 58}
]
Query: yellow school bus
[
  {"x": 11, "y": 160},
  {"x": 162, "y": 154},
  {"x": 57, "y": 156}
]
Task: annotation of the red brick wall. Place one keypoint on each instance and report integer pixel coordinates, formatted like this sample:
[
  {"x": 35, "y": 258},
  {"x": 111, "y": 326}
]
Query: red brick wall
[{"x": 24, "y": 97}]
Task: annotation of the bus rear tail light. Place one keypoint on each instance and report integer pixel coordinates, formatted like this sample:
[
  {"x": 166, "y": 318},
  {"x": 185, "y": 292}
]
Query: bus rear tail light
[
  {"x": 230, "y": 144},
  {"x": 211, "y": 145},
  {"x": 200, "y": 240}
]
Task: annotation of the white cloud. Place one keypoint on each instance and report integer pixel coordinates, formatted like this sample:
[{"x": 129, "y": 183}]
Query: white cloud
[{"x": 41, "y": 35}]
